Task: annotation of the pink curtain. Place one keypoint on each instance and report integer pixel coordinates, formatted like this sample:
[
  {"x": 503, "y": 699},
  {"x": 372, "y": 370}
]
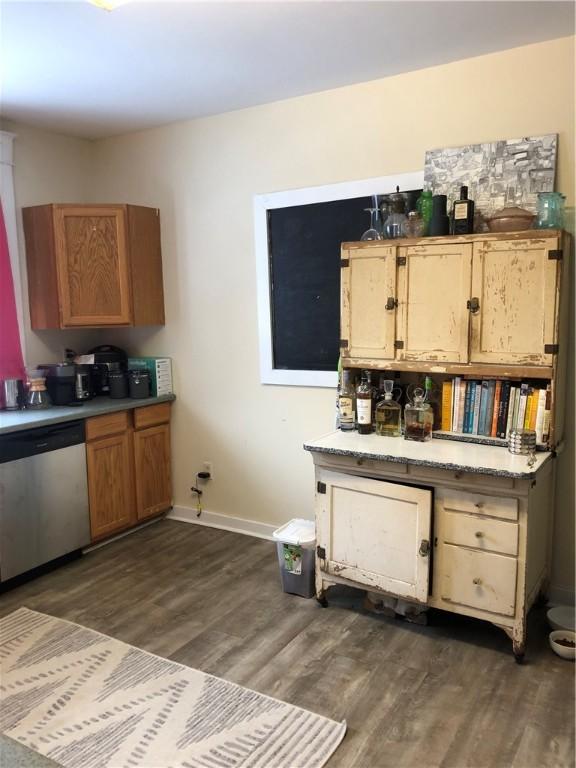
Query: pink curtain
[{"x": 11, "y": 362}]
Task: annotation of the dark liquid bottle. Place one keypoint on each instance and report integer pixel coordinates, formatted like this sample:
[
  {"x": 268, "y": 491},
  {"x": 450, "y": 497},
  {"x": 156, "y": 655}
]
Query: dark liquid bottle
[
  {"x": 364, "y": 406},
  {"x": 463, "y": 214}
]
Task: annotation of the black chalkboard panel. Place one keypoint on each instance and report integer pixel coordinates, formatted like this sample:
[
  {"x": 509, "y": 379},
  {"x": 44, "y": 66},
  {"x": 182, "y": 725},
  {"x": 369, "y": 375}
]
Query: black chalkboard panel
[{"x": 304, "y": 250}]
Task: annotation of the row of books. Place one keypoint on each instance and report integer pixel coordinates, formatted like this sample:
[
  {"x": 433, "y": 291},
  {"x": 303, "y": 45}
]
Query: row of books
[{"x": 493, "y": 407}]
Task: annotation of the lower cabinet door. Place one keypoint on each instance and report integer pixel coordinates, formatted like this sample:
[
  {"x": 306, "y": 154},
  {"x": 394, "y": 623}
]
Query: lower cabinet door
[
  {"x": 375, "y": 533},
  {"x": 110, "y": 484},
  {"x": 152, "y": 461}
]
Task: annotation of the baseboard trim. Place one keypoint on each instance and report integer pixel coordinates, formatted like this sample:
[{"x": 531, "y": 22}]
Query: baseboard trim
[
  {"x": 223, "y": 522},
  {"x": 561, "y": 595}
]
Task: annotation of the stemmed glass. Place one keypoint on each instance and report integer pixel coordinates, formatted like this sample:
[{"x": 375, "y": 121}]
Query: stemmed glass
[{"x": 375, "y": 231}]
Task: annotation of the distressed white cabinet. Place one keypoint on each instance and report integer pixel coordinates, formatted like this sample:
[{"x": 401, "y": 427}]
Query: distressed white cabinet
[
  {"x": 488, "y": 528},
  {"x": 374, "y": 533}
]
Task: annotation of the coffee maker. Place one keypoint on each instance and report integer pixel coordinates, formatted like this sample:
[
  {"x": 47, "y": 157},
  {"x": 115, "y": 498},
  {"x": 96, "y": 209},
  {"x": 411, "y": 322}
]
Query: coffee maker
[{"x": 102, "y": 360}]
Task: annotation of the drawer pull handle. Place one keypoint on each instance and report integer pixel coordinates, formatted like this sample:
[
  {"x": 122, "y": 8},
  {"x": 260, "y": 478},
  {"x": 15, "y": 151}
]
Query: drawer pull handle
[
  {"x": 478, "y": 534},
  {"x": 477, "y": 582}
]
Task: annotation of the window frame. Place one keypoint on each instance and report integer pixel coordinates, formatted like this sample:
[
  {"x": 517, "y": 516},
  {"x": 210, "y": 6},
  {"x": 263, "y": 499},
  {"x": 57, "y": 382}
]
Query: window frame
[{"x": 379, "y": 185}]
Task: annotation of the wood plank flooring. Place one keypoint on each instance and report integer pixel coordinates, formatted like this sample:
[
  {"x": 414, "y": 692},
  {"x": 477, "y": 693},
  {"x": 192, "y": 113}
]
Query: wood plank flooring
[{"x": 449, "y": 694}]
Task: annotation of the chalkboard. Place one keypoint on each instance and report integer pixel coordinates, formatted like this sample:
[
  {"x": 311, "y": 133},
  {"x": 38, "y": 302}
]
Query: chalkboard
[{"x": 304, "y": 261}]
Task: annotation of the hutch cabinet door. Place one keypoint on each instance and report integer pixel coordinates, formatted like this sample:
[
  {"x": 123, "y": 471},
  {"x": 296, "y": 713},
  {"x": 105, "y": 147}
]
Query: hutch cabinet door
[
  {"x": 433, "y": 291},
  {"x": 375, "y": 533},
  {"x": 368, "y": 303},
  {"x": 152, "y": 461},
  {"x": 92, "y": 265},
  {"x": 515, "y": 283},
  {"x": 110, "y": 484}
]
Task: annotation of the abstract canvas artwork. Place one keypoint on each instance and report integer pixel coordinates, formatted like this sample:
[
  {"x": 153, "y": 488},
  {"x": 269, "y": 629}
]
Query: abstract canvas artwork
[{"x": 497, "y": 174}]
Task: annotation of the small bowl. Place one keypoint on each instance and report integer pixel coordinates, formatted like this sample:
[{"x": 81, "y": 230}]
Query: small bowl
[
  {"x": 562, "y": 617},
  {"x": 510, "y": 219},
  {"x": 562, "y": 650}
]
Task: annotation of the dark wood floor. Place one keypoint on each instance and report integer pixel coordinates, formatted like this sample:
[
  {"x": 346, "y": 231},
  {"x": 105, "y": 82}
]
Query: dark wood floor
[{"x": 449, "y": 694}]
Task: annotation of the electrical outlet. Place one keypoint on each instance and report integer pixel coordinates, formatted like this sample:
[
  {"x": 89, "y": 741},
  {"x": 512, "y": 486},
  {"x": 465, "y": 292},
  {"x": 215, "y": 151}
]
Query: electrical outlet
[{"x": 208, "y": 467}]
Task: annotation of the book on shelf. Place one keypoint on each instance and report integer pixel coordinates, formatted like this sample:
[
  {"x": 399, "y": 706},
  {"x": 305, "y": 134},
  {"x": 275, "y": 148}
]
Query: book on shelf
[
  {"x": 496, "y": 407},
  {"x": 461, "y": 405},
  {"x": 446, "y": 406},
  {"x": 455, "y": 402},
  {"x": 503, "y": 409},
  {"x": 476, "y": 415},
  {"x": 547, "y": 407},
  {"x": 540, "y": 408},
  {"x": 467, "y": 424},
  {"x": 522, "y": 406}
]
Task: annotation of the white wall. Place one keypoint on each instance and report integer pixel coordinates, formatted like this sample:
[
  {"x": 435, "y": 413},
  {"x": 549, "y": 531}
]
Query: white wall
[{"x": 203, "y": 176}]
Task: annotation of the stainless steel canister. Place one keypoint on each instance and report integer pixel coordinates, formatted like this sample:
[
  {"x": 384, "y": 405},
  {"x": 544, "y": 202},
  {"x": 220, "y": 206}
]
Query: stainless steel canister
[
  {"x": 12, "y": 394},
  {"x": 522, "y": 441}
]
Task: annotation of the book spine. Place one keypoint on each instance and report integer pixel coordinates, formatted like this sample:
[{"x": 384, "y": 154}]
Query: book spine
[
  {"x": 483, "y": 407},
  {"x": 533, "y": 409},
  {"x": 446, "y": 406},
  {"x": 467, "y": 407},
  {"x": 496, "y": 407},
  {"x": 461, "y": 405},
  {"x": 503, "y": 409},
  {"x": 511, "y": 409},
  {"x": 477, "y": 398},
  {"x": 456, "y": 403},
  {"x": 489, "y": 408},
  {"x": 522, "y": 406},
  {"x": 528, "y": 411},
  {"x": 540, "y": 408},
  {"x": 547, "y": 409}
]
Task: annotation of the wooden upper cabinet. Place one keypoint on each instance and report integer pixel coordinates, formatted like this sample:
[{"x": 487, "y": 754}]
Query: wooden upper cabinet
[
  {"x": 433, "y": 291},
  {"x": 368, "y": 299},
  {"x": 516, "y": 285},
  {"x": 91, "y": 266}
]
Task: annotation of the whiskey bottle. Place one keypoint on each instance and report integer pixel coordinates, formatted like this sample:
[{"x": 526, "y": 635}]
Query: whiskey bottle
[
  {"x": 346, "y": 400},
  {"x": 463, "y": 214},
  {"x": 388, "y": 413},
  {"x": 364, "y": 405}
]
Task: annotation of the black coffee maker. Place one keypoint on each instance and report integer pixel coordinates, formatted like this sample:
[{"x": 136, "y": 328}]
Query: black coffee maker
[{"x": 106, "y": 359}]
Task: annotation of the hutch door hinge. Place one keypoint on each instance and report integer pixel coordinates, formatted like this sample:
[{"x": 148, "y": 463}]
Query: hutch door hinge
[
  {"x": 343, "y": 343},
  {"x": 555, "y": 255},
  {"x": 344, "y": 263},
  {"x": 321, "y": 552},
  {"x": 400, "y": 261},
  {"x": 321, "y": 487},
  {"x": 391, "y": 303},
  {"x": 398, "y": 344},
  {"x": 551, "y": 349},
  {"x": 424, "y": 547}
]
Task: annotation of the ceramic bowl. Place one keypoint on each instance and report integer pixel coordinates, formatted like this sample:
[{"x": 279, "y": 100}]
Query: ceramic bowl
[
  {"x": 510, "y": 219},
  {"x": 562, "y": 617},
  {"x": 562, "y": 650}
]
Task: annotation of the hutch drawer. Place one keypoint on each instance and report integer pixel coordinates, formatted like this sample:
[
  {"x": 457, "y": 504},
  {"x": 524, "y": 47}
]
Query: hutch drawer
[
  {"x": 454, "y": 500},
  {"x": 482, "y": 533}
]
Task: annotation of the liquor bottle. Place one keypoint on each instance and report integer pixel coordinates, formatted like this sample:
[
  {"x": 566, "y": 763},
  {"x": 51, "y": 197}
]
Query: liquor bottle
[
  {"x": 388, "y": 413},
  {"x": 463, "y": 214},
  {"x": 364, "y": 405},
  {"x": 346, "y": 398},
  {"x": 418, "y": 418}
]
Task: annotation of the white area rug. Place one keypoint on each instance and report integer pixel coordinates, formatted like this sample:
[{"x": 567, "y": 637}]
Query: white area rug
[{"x": 89, "y": 701}]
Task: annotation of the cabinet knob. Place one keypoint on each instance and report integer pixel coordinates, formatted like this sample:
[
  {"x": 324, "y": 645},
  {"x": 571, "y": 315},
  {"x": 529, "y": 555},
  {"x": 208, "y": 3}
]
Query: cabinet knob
[
  {"x": 477, "y": 581},
  {"x": 473, "y": 305},
  {"x": 478, "y": 534},
  {"x": 391, "y": 303}
]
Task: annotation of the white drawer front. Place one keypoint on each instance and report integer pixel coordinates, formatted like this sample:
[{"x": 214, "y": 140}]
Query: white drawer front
[
  {"x": 479, "y": 580},
  {"x": 480, "y": 532},
  {"x": 477, "y": 503}
]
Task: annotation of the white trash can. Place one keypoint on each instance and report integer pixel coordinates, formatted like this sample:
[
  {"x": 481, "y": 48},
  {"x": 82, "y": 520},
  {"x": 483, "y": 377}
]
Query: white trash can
[{"x": 295, "y": 544}]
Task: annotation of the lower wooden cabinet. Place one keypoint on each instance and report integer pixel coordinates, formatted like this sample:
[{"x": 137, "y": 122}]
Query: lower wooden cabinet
[
  {"x": 152, "y": 459},
  {"x": 110, "y": 484},
  {"x": 128, "y": 460}
]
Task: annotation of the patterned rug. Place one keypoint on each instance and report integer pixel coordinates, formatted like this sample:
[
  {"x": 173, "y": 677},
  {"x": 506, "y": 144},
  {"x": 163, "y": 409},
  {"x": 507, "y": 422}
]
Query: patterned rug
[{"x": 89, "y": 701}]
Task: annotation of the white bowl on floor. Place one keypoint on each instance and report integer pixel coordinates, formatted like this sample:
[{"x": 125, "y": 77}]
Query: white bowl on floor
[
  {"x": 562, "y": 617},
  {"x": 563, "y": 650}
]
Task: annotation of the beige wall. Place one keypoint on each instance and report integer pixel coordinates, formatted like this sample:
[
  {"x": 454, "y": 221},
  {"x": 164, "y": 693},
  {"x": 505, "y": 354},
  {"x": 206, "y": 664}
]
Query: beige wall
[{"x": 203, "y": 176}]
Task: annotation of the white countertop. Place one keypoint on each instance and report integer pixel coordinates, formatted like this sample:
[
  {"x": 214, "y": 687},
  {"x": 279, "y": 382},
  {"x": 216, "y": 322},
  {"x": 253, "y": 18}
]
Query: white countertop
[{"x": 442, "y": 454}]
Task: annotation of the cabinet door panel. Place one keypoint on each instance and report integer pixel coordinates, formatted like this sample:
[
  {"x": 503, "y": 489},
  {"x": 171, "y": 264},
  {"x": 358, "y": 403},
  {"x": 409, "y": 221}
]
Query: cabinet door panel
[
  {"x": 372, "y": 533},
  {"x": 110, "y": 484},
  {"x": 433, "y": 290},
  {"x": 93, "y": 269},
  {"x": 515, "y": 282},
  {"x": 152, "y": 460},
  {"x": 367, "y": 283}
]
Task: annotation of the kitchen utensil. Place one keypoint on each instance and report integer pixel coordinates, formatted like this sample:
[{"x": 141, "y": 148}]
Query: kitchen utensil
[
  {"x": 12, "y": 394},
  {"x": 60, "y": 382},
  {"x": 37, "y": 397},
  {"x": 139, "y": 383},
  {"x": 522, "y": 441},
  {"x": 510, "y": 219},
  {"x": 118, "y": 384},
  {"x": 84, "y": 389}
]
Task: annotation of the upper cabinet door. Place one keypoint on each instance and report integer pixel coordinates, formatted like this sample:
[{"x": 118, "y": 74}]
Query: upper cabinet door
[
  {"x": 368, "y": 301},
  {"x": 92, "y": 266},
  {"x": 433, "y": 291},
  {"x": 515, "y": 283}
]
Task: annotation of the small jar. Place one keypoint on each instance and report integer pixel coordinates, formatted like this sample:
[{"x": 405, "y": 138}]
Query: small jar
[
  {"x": 414, "y": 225},
  {"x": 550, "y": 213},
  {"x": 118, "y": 384},
  {"x": 139, "y": 383},
  {"x": 418, "y": 418}
]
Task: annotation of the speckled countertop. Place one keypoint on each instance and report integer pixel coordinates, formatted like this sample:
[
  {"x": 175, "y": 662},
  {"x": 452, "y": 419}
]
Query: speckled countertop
[
  {"x": 442, "y": 454},
  {"x": 15, "y": 421}
]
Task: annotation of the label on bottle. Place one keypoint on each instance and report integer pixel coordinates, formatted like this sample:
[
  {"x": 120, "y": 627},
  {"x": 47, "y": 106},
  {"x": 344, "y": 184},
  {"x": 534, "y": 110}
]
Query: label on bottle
[
  {"x": 364, "y": 406},
  {"x": 461, "y": 210},
  {"x": 346, "y": 410}
]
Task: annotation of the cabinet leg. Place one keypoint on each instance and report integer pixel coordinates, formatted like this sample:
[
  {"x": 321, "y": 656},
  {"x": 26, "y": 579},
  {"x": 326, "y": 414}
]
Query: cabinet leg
[
  {"x": 322, "y": 599},
  {"x": 519, "y": 650}
]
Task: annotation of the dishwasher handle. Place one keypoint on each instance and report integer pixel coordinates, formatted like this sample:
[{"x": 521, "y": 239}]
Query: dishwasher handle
[{"x": 31, "y": 442}]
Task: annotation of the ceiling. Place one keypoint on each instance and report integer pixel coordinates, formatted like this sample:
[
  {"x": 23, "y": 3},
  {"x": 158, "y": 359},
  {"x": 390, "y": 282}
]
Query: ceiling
[{"x": 74, "y": 68}]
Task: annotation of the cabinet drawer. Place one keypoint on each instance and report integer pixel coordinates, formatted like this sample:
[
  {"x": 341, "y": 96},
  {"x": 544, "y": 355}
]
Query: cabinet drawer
[
  {"x": 151, "y": 415},
  {"x": 478, "y": 579},
  {"x": 480, "y": 532},
  {"x": 359, "y": 463},
  {"x": 467, "y": 479},
  {"x": 476, "y": 503},
  {"x": 107, "y": 424}
]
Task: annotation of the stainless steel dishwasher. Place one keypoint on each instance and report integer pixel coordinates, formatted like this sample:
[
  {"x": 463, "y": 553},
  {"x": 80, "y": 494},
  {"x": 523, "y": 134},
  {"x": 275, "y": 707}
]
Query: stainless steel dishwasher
[{"x": 43, "y": 496}]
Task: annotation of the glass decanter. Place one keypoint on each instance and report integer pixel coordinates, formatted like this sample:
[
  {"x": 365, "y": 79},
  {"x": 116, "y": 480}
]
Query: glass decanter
[
  {"x": 418, "y": 418},
  {"x": 388, "y": 413}
]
